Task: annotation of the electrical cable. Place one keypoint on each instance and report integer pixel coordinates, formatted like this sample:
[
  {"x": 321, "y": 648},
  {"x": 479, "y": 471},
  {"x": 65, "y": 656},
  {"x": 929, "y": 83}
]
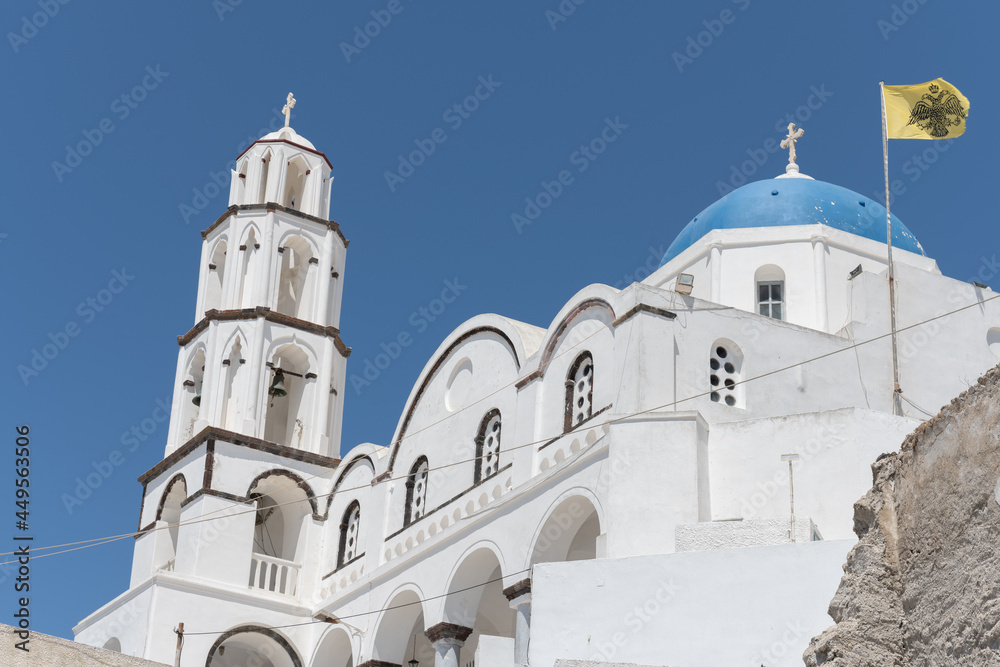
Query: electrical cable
[
  {"x": 378, "y": 611},
  {"x": 104, "y": 540}
]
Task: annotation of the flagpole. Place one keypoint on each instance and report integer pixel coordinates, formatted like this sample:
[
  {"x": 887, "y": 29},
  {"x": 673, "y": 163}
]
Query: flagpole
[{"x": 897, "y": 406}]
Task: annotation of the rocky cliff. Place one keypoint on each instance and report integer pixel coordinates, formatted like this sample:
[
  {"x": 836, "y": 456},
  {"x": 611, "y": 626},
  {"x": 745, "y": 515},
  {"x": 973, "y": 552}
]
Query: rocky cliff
[{"x": 922, "y": 586}]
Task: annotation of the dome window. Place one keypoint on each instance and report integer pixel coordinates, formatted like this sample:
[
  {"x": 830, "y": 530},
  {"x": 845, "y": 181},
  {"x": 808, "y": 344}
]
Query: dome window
[
  {"x": 770, "y": 292},
  {"x": 770, "y": 299}
]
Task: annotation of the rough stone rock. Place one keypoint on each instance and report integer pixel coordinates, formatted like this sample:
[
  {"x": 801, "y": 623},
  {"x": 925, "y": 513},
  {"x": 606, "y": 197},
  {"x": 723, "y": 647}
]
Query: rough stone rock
[
  {"x": 48, "y": 651},
  {"x": 922, "y": 586}
]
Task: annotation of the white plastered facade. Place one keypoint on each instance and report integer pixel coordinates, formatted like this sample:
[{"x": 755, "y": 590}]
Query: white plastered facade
[{"x": 521, "y": 449}]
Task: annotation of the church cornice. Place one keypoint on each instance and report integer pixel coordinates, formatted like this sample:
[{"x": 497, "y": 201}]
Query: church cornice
[
  {"x": 269, "y": 315},
  {"x": 211, "y": 434},
  {"x": 290, "y": 143},
  {"x": 271, "y": 206}
]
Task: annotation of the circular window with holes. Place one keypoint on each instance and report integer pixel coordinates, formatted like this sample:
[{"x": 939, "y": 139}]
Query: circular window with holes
[{"x": 723, "y": 377}]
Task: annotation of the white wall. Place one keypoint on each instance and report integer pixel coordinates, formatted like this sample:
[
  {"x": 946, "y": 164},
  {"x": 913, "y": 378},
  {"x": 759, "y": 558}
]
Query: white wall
[{"x": 751, "y": 606}]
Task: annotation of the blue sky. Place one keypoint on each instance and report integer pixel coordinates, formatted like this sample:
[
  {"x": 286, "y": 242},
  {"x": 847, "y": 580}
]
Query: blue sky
[{"x": 694, "y": 91}]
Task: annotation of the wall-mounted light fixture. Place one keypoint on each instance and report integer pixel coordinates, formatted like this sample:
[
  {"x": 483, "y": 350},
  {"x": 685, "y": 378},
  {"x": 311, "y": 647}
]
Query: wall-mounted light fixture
[{"x": 684, "y": 284}]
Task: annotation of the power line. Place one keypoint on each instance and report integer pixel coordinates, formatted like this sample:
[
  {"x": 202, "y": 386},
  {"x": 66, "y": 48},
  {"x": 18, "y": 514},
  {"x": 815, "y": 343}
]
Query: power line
[
  {"x": 104, "y": 540},
  {"x": 379, "y": 611}
]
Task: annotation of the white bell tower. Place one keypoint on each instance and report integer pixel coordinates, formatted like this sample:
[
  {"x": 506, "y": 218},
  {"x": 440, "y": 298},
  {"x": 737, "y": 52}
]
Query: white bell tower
[
  {"x": 264, "y": 358},
  {"x": 230, "y": 523}
]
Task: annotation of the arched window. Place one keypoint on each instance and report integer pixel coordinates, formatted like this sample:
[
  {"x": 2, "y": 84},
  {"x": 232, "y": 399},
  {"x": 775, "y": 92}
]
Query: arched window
[
  {"x": 295, "y": 283},
  {"x": 295, "y": 183},
  {"x": 725, "y": 365},
  {"x": 191, "y": 398},
  {"x": 232, "y": 397},
  {"x": 279, "y": 536},
  {"x": 250, "y": 251},
  {"x": 770, "y": 282},
  {"x": 579, "y": 391},
  {"x": 262, "y": 184},
  {"x": 349, "y": 534},
  {"x": 241, "y": 184},
  {"x": 170, "y": 514},
  {"x": 216, "y": 272},
  {"x": 289, "y": 397},
  {"x": 416, "y": 492},
  {"x": 488, "y": 446}
]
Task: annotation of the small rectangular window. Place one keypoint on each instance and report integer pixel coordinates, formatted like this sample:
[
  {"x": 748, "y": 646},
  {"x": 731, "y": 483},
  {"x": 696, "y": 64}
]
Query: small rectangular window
[{"x": 770, "y": 299}]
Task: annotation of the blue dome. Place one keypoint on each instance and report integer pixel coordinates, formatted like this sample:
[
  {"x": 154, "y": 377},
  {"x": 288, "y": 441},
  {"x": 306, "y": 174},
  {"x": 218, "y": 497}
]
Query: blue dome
[{"x": 780, "y": 202}]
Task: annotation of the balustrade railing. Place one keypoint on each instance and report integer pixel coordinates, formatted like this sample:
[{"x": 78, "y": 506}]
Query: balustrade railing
[{"x": 274, "y": 575}]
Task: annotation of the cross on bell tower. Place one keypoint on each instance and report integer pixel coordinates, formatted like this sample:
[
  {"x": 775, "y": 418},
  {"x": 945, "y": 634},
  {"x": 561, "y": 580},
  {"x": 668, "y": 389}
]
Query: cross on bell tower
[{"x": 287, "y": 109}]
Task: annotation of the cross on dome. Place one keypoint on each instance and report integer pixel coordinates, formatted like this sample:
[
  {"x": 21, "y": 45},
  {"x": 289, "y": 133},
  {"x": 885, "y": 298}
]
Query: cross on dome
[
  {"x": 792, "y": 169},
  {"x": 788, "y": 142},
  {"x": 287, "y": 109}
]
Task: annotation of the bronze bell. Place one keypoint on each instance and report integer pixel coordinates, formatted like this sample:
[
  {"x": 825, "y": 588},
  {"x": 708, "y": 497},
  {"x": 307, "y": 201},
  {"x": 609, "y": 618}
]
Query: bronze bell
[
  {"x": 277, "y": 387},
  {"x": 197, "y": 396}
]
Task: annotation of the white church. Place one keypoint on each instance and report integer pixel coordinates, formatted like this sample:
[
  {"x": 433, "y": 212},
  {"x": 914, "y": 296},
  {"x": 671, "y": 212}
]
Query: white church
[{"x": 661, "y": 475}]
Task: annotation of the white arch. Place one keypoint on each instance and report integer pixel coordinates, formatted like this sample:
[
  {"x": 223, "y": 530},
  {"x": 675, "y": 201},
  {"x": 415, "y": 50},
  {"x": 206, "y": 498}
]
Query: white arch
[
  {"x": 170, "y": 513},
  {"x": 591, "y": 297},
  {"x": 295, "y": 287},
  {"x": 291, "y": 339},
  {"x": 249, "y": 266},
  {"x": 193, "y": 378},
  {"x": 240, "y": 176},
  {"x": 402, "y": 618},
  {"x": 283, "y": 508},
  {"x": 233, "y": 378},
  {"x": 300, "y": 233},
  {"x": 288, "y": 418},
  {"x": 476, "y": 566},
  {"x": 263, "y": 176},
  {"x": 253, "y": 645},
  {"x": 565, "y": 522},
  {"x": 295, "y": 183},
  {"x": 215, "y": 283},
  {"x": 334, "y": 649}
]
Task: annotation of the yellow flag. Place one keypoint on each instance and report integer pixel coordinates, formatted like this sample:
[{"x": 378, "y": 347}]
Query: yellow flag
[{"x": 932, "y": 110}]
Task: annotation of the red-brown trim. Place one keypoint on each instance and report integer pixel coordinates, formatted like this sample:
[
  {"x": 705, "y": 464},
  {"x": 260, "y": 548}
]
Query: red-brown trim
[
  {"x": 528, "y": 379},
  {"x": 577, "y": 426},
  {"x": 269, "y": 315},
  {"x": 213, "y": 433},
  {"x": 643, "y": 308},
  {"x": 285, "y": 141},
  {"x": 206, "y": 481},
  {"x": 561, "y": 329},
  {"x": 260, "y": 630},
  {"x": 437, "y": 364},
  {"x": 166, "y": 492},
  {"x": 445, "y": 630},
  {"x": 267, "y": 208},
  {"x": 522, "y": 587},
  {"x": 450, "y": 500},
  {"x": 299, "y": 482},
  {"x": 344, "y": 469}
]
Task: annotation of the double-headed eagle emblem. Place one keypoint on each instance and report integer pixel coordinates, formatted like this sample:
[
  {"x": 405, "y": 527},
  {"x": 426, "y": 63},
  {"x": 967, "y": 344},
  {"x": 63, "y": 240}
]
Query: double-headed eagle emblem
[{"x": 936, "y": 111}]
